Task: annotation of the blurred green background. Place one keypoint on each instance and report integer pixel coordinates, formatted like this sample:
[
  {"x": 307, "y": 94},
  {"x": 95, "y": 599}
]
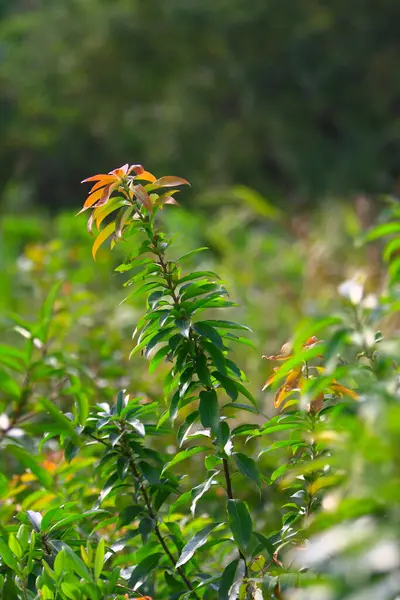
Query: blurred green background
[
  {"x": 298, "y": 100},
  {"x": 283, "y": 115}
]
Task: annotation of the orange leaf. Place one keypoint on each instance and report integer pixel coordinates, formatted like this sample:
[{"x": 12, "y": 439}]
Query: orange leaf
[
  {"x": 143, "y": 197},
  {"x": 100, "y": 184},
  {"x": 105, "y": 233},
  {"x": 105, "y": 177},
  {"x": 136, "y": 169},
  {"x": 146, "y": 176},
  {"x": 281, "y": 395},
  {"x": 317, "y": 403},
  {"x": 270, "y": 379},
  {"x": 277, "y": 357},
  {"x": 101, "y": 196},
  {"x": 170, "y": 181},
  {"x": 311, "y": 341},
  {"x": 293, "y": 379},
  {"x": 340, "y": 389},
  {"x": 121, "y": 171},
  {"x": 291, "y": 384}
]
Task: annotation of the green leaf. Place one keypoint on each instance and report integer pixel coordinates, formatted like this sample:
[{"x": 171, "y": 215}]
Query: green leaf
[
  {"x": 221, "y": 324},
  {"x": 184, "y": 429},
  {"x": 65, "y": 425},
  {"x": 248, "y": 467},
  {"x": 197, "y": 275},
  {"x": 7, "y": 556},
  {"x": 191, "y": 253},
  {"x": 3, "y": 485},
  {"x": 144, "y": 569},
  {"x": 278, "y": 472},
  {"x": 137, "y": 425},
  {"x": 146, "y": 287},
  {"x": 82, "y": 405},
  {"x": 227, "y": 580},
  {"x": 153, "y": 341},
  {"x": 265, "y": 543},
  {"x": 183, "y": 455},
  {"x": 282, "y": 444},
  {"x": 47, "y": 310},
  {"x": 242, "y": 407},
  {"x": 76, "y": 563},
  {"x": 8, "y": 385},
  {"x": 183, "y": 326},
  {"x": 99, "y": 558},
  {"x": 71, "y": 590},
  {"x": 15, "y": 546},
  {"x": 217, "y": 356},
  {"x": 240, "y": 523},
  {"x": 196, "y": 542},
  {"x": 30, "y": 462},
  {"x": 209, "y": 410},
  {"x": 229, "y": 385},
  {"x": 202, "y": 370},
  {"x": 74, "y": 518},
  {"x": 199, "y": 491},
  {"x": 390, "y": 248},
  {"x": 13, "y": 358},
  {"x": 239, "y": 340},
  {"x": 208, "y": 332},
  {"x": 382, "y": 230},
  {"x": 59, "y": 564}
]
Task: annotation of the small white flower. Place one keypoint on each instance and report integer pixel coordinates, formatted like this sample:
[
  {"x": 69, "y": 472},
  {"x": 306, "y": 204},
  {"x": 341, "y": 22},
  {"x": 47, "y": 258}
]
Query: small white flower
[{"x": 352, "y": 290}]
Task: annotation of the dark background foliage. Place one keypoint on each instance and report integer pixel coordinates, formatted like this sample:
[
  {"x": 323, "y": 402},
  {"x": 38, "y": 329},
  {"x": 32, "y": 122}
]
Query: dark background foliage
[{"x": 299, "y": 100}]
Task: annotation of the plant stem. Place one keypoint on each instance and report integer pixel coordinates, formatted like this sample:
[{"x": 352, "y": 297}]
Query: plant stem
[
  {"x": 157, "y": 531},
  {"x": 229, "y": 492}
]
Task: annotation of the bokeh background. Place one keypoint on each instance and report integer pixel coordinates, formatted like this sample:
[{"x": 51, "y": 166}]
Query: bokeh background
[{"x": 285, "y": 117}]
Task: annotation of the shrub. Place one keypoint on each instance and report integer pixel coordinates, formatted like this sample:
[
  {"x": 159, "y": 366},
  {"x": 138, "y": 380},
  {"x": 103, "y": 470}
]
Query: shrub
[{"x": 103, "y": 504}]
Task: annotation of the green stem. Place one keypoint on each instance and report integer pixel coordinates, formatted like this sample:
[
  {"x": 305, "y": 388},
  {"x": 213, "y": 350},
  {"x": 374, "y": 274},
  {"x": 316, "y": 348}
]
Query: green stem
[
  {"x": 171, "y": 286},
  {"x": 229, "y": 492},
  {"x": 157, "y": 531}
]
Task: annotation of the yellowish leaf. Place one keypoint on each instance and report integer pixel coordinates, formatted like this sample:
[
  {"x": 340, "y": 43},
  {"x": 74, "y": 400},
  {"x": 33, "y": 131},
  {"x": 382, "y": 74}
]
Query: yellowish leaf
[{"x": 103, "y": 235}]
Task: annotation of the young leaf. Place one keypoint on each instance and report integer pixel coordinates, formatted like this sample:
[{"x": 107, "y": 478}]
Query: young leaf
[
  {"x": 170, "y": 181},
  {"x": 15, "y": 546},
  {"x": 101, "y": 238},
  {"x": 196, "y": 542},
  {"x": 7, "y": 556},
  {"x": 99, "y": 559}
]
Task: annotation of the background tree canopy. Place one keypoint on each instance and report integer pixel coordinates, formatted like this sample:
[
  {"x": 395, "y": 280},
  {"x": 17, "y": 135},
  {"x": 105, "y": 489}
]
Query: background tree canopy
[{"x": 298, "y": 100}]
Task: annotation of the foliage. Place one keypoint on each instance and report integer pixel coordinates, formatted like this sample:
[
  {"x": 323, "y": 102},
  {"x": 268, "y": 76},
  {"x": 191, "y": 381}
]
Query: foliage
[{"x": 187, "y": 489}]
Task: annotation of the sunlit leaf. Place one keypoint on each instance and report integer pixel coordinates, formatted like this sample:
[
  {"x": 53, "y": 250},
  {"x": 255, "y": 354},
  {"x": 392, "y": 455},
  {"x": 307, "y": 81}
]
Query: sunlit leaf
[
  {"x": 195, "y": 543},
  {"x": 101, "y": 238}
]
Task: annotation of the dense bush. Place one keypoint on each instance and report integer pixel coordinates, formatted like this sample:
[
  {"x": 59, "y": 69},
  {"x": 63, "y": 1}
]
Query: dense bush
[{"x": 180, "y": 482}]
